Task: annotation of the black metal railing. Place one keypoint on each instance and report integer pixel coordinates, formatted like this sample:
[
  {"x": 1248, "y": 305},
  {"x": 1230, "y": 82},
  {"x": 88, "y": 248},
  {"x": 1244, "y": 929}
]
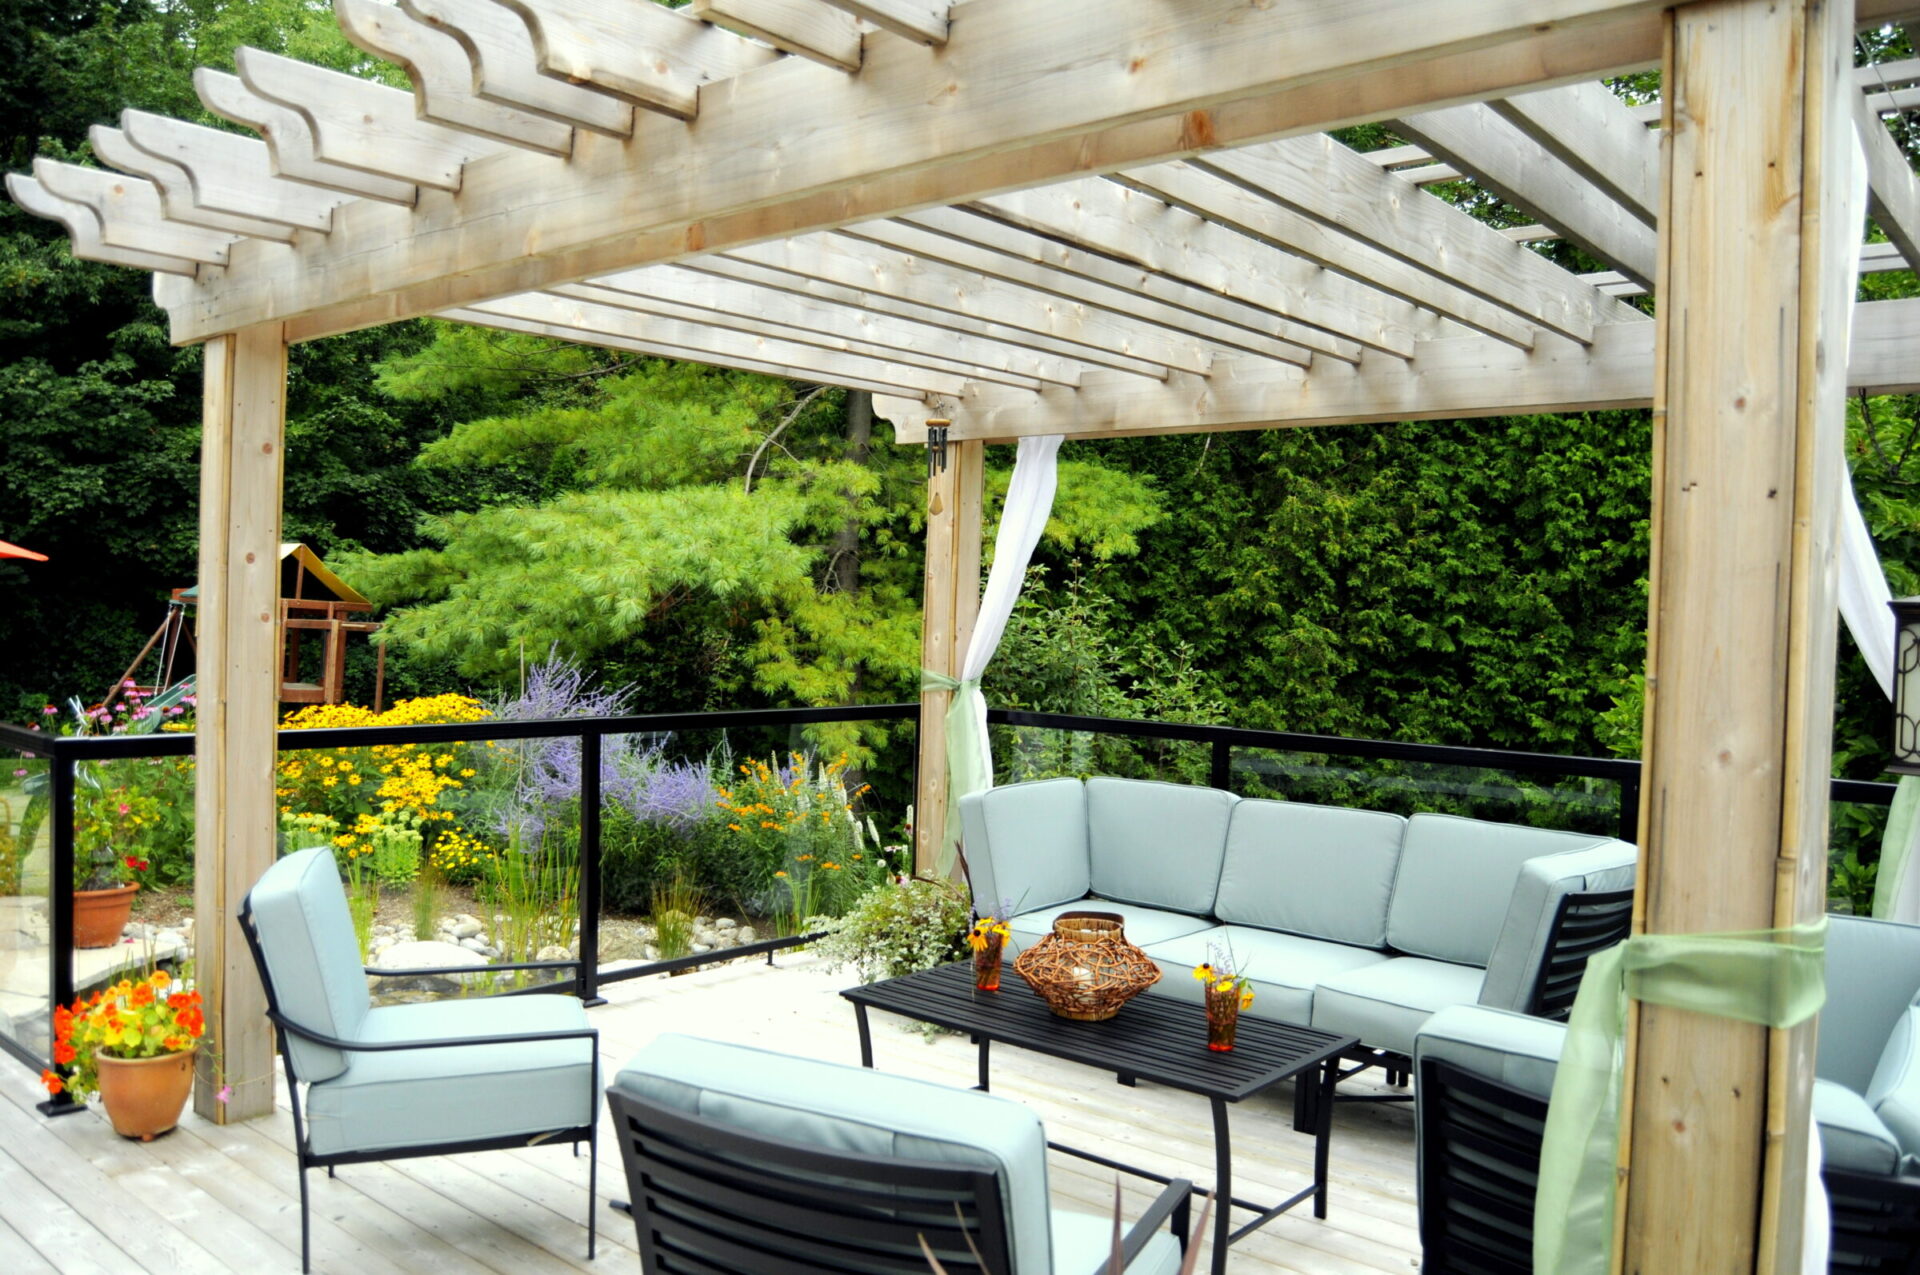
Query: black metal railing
[{"x": 1230, "y": 752}]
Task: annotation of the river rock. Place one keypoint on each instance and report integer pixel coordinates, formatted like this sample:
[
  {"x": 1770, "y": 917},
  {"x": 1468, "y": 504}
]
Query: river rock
[
  {"x": 466, "y": 927},
  {"x": 553, "y": 952},
  {"x": 745, "y": 935},
  {"x": 725, "y": 923}
]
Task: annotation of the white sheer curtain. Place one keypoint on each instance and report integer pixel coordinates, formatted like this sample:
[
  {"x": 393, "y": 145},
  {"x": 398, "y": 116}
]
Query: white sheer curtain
[{"x": 1029, "y": 503}]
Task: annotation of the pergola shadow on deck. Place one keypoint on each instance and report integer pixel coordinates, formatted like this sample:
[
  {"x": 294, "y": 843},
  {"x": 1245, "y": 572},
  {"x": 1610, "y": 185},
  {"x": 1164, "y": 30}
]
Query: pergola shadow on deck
[
  {"x": 1097, "y": 218},
  {"x": 209, "y": 1198}
]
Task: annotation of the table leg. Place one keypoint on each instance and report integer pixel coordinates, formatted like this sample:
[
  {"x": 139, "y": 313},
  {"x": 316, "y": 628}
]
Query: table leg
[
  {"x": 1222, "y": 1187},
  {"x": 1323, "y": 1135},
  {"x": 985, "y": 1045},
  {"x": 866, "y": 1036}
]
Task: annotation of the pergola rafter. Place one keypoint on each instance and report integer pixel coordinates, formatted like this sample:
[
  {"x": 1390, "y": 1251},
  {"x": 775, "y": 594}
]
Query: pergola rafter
[{"x": 1104, "y": 219}]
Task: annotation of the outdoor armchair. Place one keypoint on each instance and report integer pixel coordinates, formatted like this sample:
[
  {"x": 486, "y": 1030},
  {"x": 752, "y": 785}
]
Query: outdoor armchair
[
  {"x": 397, "y": 1081},
  {"x": 764, "y": 1164},
  {"x": 1484, "y": 1077}
]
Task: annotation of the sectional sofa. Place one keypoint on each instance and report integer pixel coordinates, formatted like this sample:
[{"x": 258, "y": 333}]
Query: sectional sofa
[{"x": 1351, "y": 921}]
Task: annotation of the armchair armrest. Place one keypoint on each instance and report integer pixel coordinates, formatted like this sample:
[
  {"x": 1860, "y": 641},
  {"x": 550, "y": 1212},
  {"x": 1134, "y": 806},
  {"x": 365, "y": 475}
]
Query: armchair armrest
[
  {"x": 1174, "y": 1203},
  {"x": 453, "y": 1042},
  {"x": 489, "y": 968}
]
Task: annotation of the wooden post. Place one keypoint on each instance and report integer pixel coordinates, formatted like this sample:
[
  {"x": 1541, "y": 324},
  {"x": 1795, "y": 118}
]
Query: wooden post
[
  {"x": 952, "y": 601},
  {"x": 238, "y": 687},
  {"x": 1748, "y": 424}
]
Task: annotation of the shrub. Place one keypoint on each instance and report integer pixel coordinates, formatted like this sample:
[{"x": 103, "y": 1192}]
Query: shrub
[{"x": 896, "y": 929}]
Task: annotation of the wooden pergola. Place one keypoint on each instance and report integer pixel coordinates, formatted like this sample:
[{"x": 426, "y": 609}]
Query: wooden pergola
[{"x": 1101, "y": 218}]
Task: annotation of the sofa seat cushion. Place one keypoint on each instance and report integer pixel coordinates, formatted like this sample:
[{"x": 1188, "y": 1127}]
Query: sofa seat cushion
[
  {"x": 418, "y": 1097},
  {"x": 1157, "y": 844},
  {"x": 1851, "y": 1136},
  {"x": 1322, "y": 871},
  {"x": 1026, "y": 845},
  {"x": 873, "y": 1113},
  {"x": 1083, "y": 1244},
  {"x": 1284, "y": 968},
  {"x": 1513, "y": 1049},
  {"x": 1894, "y": 1094},
  {"x": 1144, "y": 925},
  {"x": 1456, "y": 883},
  {"x": 1385, "y": 1003}
]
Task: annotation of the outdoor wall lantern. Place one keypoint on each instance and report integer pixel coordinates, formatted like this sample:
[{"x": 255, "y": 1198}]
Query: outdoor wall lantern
[{"x": 1906, "y": 686}]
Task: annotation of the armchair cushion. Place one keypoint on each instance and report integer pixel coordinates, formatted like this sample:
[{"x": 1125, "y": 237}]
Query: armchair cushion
[
  {"x": 1878, "y": 965},
  {"x": 1157, "y": 844},
  {"x": 1284, "y": 967},
  {"x": 1543, "y": 881},
  {"x": 1851, "y": 1136},
  {"x": 306, "y": 938},
  {"x": 853, "y": 1109},
  {"x": 1144, "y": 925},
  {"x": 422, "y": 1097},
  {"x": 1083, "y": 1245},
  {"x": 1026, "y": 844},
  {"x": 1894, "y": 1093},
  {"x": 1456, "y": 880},
  {"x": 1385, "y": 1003},
  {"x": 1321, "y": 871}
]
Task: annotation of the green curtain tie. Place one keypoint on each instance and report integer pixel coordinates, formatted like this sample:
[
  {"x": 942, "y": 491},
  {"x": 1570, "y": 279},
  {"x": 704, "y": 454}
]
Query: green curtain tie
[
  {"x": 965, "y": 773},
  {"x": 1775, "y": 978}
]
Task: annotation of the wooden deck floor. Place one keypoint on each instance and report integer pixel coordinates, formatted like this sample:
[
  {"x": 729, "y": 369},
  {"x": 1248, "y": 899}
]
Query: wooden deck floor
[{"x": 76, "y": 1198}]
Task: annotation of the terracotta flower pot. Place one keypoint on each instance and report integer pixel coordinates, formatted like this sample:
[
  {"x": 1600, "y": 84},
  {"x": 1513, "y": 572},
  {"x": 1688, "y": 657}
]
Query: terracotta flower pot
[
  {"x": 100, "y": 915},
  {"x": 144, "y": 1096}
]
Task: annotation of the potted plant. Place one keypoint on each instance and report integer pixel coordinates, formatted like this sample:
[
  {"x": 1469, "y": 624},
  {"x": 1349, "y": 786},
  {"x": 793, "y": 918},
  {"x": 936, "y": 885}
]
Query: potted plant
[
  {"x": 111, "y": 825},
  {"x": 133, "y": 1044}
]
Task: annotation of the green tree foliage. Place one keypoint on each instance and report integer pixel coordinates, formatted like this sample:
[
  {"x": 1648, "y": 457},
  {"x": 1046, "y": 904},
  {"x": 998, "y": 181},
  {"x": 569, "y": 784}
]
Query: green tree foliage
[{"x": 697, "y": 512}]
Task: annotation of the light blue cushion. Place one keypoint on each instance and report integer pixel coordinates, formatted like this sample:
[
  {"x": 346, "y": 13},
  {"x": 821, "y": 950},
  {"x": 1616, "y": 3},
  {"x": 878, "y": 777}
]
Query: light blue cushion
[
  {"x": 1894, "y": 1093},
  {"x": 1026, "y": 845},
  {"x": 1083, "y": 1245},
  {"x": 306, "y": 935},
  {"x": 1385, "y": 1003},
  {"x": 1513, "y": 1049},
  {"x": 1143, "y": 925},
  {"x": 1284, "y": 967},
  {"x": 1509, "y": 1049},
  {"x": 873, "y": 1113},
  {"x": 1873, "y": 972},
  {"x": 1322, "y": 871},
  {"x": 1514, "y": 964},
  {"x": 418, "y": 1097},
  {"x": 1851, "y": 1136},
  {"x": 1155, "y": 844},
  {"x": 1456, "y": 880}
]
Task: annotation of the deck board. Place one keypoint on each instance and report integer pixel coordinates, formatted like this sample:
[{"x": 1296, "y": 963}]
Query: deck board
[{"x": 76, "y": 1198}]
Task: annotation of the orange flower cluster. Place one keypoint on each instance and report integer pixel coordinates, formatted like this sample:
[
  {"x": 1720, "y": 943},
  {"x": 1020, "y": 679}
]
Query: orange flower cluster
[{"x": 127, "y": 1020}]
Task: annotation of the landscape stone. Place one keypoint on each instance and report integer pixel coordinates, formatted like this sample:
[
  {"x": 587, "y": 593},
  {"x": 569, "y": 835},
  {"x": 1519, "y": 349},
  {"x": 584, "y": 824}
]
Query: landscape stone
[
  {"x": 466, "y": 927},
  {"x": 726, "y": 923},
  {"x": 427, "y": 955},
  {"x": 473, "y": 944},
  {"x": 745, "y": 935},
  {"x": 553, "y": 952}
]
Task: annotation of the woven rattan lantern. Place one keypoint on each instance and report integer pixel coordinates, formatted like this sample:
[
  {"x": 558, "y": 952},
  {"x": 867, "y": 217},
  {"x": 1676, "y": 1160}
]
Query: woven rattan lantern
[{"x": 1086, "y": 970}]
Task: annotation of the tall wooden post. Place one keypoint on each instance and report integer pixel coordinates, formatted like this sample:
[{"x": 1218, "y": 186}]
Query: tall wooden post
[
  {"x": 1748, "y": 420},
  {"x": 952, "y": 601},
  {"x": 238, "y": 684}
]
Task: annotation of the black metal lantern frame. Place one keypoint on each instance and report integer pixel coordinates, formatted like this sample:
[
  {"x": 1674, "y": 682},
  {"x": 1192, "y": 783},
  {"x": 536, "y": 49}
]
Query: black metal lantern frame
[{"x": 1906, "y": 686}]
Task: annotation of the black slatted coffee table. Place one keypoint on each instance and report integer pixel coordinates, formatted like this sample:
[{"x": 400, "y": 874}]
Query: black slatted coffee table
[{"x": 1156, "y": 1039}]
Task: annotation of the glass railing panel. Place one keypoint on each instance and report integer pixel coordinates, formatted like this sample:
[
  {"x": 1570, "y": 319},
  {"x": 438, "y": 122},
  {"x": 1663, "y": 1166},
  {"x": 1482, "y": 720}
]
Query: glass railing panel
[
  {"x": 26, "y": 953},
  {"x": 1023, "y": 753}
]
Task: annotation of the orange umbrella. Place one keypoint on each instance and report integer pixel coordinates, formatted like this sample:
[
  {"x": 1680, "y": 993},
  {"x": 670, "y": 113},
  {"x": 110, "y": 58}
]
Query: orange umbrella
[{"x": 15, "y": 551}]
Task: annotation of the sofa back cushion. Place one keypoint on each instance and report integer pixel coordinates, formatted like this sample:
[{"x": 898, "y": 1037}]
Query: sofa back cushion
[
  {"x": 1157, "y": 844},
  {"x": 1026, "y": 845},
  {"x": 1325, "y": 872},
  {"x": 1456, "y": 879},
  {"x": 1513, "y": 967},
  {"x": 306, "y": 938}
]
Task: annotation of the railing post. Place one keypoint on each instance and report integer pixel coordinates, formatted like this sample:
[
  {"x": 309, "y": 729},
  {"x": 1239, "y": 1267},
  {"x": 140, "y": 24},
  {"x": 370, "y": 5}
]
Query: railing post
[
  {"x": 1629, "y": 829},
  {"x": 1220, "y": 773},
  {"x": 588, "y": 971},
  {"x": 60, "y": 780}
]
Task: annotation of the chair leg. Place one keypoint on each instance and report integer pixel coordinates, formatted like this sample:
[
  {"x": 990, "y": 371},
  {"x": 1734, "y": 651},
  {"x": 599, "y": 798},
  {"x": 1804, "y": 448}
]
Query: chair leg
[
  {"x": 306, "y": 1255},
  {"x": 593, "y": 1183},
  {"x": 329, "y": 1170}
]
